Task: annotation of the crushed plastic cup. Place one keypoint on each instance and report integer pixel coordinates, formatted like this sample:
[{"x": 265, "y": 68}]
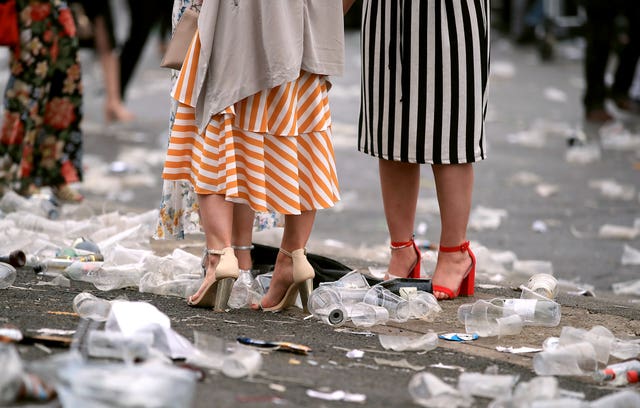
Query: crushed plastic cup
[
  {"x": 487, "y": 385},
  {"x": 366, "y": 315},
  {"x": 572, "y": 359},
  {"x": 7, "y": 275},
  {"x": 242, "y": 362},
  {"x": 91, "y": 307},
  {"x": 425, "y": 342},
  {"x": 428, "y": 390},
  {"x": 398, "y": 308}
]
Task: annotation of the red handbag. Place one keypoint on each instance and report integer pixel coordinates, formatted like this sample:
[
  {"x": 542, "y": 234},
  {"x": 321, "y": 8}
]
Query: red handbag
[{"x": 9, "y": 34}]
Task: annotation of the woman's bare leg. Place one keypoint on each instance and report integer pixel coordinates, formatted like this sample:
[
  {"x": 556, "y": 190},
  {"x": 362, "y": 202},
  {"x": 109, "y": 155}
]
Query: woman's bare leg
[
  {"x": 216, "y": 218},
  {"x": 114, "y": 108},
  {"x": 400, "y": 184},
  {"x": 454, "y": 186},
  {"x": 297, "y": 229},
  {"x": 242, "y": 233}
]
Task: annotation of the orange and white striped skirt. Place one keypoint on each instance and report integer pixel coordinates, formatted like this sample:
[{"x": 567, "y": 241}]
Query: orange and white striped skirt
[{"x": 271, "y": 150}]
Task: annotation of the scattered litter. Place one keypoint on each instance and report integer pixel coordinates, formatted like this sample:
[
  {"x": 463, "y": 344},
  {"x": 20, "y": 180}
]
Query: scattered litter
[
  {"x": 517, "y": 350},
  {"x": 583, "y": 154},
  {"x": 355, "y": 353},
  {"x": 459, "y": 336},
  {"x": 56, "y": 332},
  {"x": 425, "y": 342},
  {"x": 277, "y": 387},
  {"x": 428, "y": 390},
  {"x": 403, "y": 363},
  {"x": 524, "y": 178},
  {"x": 546, "y": 190},
  {"x": 528, "y": 138},
  {"x": 350, "y": 331},
  {"x": 630, "y": 256},
  {"x": 294, "y": 361},
  {"x": 609, "y": 231},
  {"x": 539, "y": 226},
  {"x": 483, "y": 218},
  {"x": 448, "y": 367},
  {"x": 276, "y": 345},
  {"x": 613, "y": 190},
  {"x": 502, "y": 69},
  {"x": 555, "y": 95},
  {"x": 337, "y": 396},
  {"x": 627, "y": 288}
]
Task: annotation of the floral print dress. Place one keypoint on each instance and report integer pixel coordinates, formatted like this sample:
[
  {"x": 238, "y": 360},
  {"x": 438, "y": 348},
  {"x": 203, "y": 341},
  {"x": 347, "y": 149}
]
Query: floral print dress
[
  {"x": 40, "y": 140},
  {"x": 179, "y": 204}
]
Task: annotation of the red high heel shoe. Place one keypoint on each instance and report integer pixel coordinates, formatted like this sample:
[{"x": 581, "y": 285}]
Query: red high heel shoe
[
  {"x": 415, "y": 269},
  {"x": 467, "y": 286}
]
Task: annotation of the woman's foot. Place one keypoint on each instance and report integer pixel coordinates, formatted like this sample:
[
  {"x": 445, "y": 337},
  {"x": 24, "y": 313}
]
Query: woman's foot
[
  {"x": 451, "y": 269},
  {"x": 118, "y": 113},
  {"x": 280, "y": 282},
  {"x": 402, "y": 262},
  {"x": 209, "y": 278}
]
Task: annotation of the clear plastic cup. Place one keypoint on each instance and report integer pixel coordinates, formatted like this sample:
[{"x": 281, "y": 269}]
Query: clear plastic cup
[
  {"x": 366, "y": 315},
  {"x": 600, "y": 338},
  {"x": 572, "y": 359},
  {"x": 398, "y": 308},
  {"x": 7, "y": 275},
  {"x": 543, "y": 284},
  {"x": 242, "y": 362}
]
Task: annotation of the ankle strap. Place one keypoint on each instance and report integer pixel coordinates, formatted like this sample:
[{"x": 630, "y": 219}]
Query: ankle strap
[
  {"x": 242, "y": 247},
  {"x": 289, "y": 254},
  {"x": 462, "y": 248},
  {"x": 400, "y": 244},
  {"x": 208, "y": 251}
]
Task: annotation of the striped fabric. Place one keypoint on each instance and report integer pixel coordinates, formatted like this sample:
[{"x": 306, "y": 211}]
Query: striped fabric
[
  {"x": 424, "y": 78},
  {"x": 271, "y": 150}
]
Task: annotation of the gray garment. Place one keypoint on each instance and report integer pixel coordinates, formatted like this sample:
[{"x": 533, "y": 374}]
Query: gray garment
[{"x": 252, "y": 45}]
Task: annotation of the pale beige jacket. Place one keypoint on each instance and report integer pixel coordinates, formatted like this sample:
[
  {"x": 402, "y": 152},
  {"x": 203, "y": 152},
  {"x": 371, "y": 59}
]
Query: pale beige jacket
[{"x": 251, "y": 45}]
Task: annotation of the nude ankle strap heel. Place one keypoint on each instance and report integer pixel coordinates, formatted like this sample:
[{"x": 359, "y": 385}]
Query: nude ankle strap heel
[
  {"x": 217, "y": 293},
  {"x": 303, "y": 275}
]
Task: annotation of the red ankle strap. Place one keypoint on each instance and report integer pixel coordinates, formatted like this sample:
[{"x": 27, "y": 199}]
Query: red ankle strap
[
  {"x": 462, "y": 248},
  {"x": 400, "y": 245}
]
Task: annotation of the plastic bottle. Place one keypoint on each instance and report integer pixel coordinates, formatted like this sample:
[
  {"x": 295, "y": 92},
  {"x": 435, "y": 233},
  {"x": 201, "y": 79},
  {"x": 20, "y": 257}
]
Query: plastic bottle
[
  {"x": 534, "y": 312},
  {"x": 7, "y": 275},
  {"x": 616, "y": 374}
]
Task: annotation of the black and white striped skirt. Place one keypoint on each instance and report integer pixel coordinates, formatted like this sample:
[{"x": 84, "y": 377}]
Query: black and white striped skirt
[{"x": 424, "y": 80}]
